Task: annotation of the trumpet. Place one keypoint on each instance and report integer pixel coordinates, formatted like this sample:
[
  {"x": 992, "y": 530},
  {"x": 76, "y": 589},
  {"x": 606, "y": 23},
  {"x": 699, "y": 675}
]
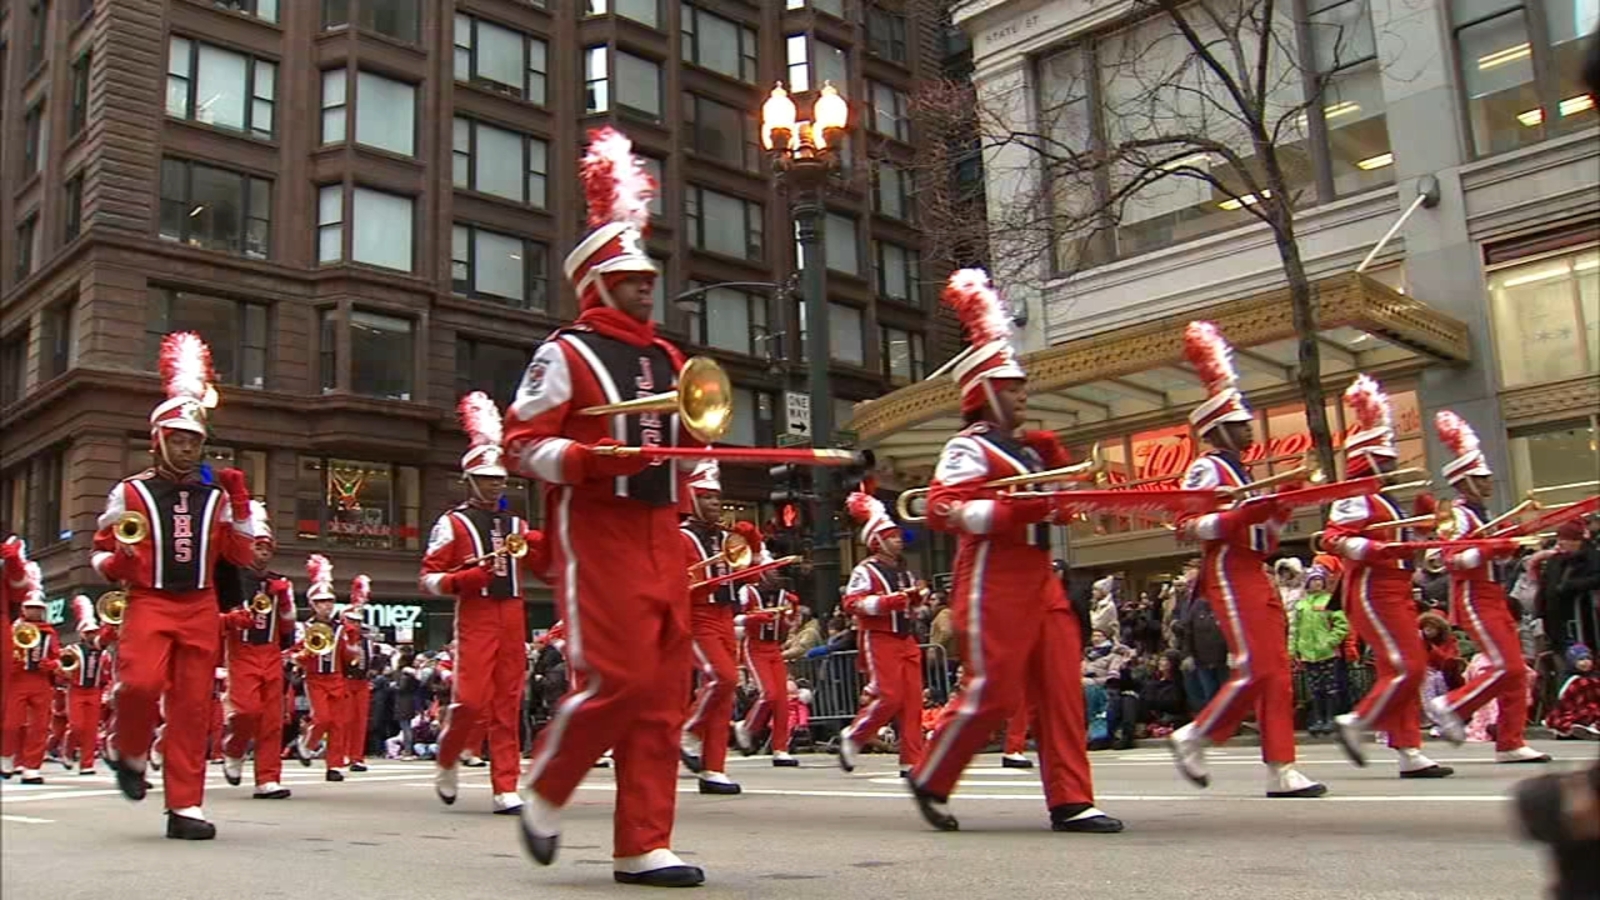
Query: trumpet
[
  {"x": 514, "y": 546},
  {"x": 703, "y": 401},
  {"x": 26, "y": 636},
  {"x": 319, "y": 639},
  {"x": 71, "y": 659},
  {"x": 111, "y": 607},
  {"x": 1091, "y": 467},
  {"x": 261, "y": 604},
  {"x": 735, "y": 553},
  {"x": 132, "y": 528}
]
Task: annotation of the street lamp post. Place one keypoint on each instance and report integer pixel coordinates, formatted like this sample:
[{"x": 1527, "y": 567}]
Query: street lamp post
[{"x": 805, "y": 156}]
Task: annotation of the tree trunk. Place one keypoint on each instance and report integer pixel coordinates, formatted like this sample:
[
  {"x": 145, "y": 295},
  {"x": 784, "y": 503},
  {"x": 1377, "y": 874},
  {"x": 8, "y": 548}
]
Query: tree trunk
[{"x": 1308, "y": 372}]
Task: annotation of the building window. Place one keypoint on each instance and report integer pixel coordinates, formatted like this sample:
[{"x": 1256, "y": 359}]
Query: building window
[
  {"x": 658, "y": 292},
  {"x": 38, "y": 32},
  {"x": 399, "y": 19},
  {"x": 500, "y": 59},
  {"x": 495, "y": 369},
  {"x": 832, "y": 7},
  {"x": 49, "y": 476},
  {"x": 13, "y": 367},
  {"x": 752, "y": 418},
  {"x": 14, "y": 498},
  {"x": 221, "y": 88},
  {"x": 724, "y": 224},
  {"x": 1547, "y": 317},
  {"x": 643, "y": 11},
  {"x": 215, "y": 209},
  {"x": 27, "y": 246},
  {"x": 55, "y": 340},
  {"x": 887, "y": 114},
  {"x": 265, "y": 10},
  {"x": 814, "y": 63},
  {"x": 839, "y": 242},
  {"x": 501, "y": 268},
  {"x": 900, "y": 355},
  {"x": 381, "y": 227},
  {"x": 657, "y": 171},
  {"x": 1352, "y": 108},
  {"x": 236, "y": 331},
  {"x": 886, "y": 33},
  {"x": 334, "y": 97},
  {"x": 72, "y": 199},
  {"x": 846, "y": 335},
  {"x": 381, "y": 355},
  {"x": 596, "y": 80},
  {"x": 892, "y": 191},
  {"x": 358, "y": 504},
  {"x": 328, "y": 349},
  {"x": 79, "y": 114},
  {"x": 496, "y": 161},
  {"x": 721, "y": 132},
  {"x": 1564, "y": 453},
  {"x": 715, "y": 43},
  {"x": 386, "y": 113},
  {"x": 638, "y": 85},
  {"x": 1521, "y": 71},
  {"x": 732, "y": 320},
  {"x": 897, "y": 272},
  {"x": 37, "y": 140}
]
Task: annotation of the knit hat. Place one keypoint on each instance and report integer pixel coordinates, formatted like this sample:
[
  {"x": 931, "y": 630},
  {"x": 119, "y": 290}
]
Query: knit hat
[
  {"x": 618, "y": 190},
  {"x": 1460, "y": 439},
  {"x": 873, "y": 517},
  {"x": 1578, "y": 652},
  {"x": 989, "y": 355},
  {"x": 320, "y": 571},
  {"x": 480, "y": 418},
  {"x": 186, "y": 376},
  {"x": 1374, "y": 434},
  {"x": 1209, "y": 353}
]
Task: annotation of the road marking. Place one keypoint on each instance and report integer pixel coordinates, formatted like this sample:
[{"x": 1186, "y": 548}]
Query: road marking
[
  {"x": 26, "y": 820},
  {"x": 903, "y": 796}
]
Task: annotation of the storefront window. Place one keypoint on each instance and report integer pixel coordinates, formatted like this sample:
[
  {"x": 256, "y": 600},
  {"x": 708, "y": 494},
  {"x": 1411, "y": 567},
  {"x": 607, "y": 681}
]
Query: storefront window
[
  {"x": 1547, "y": 318},
  {"x": 1567, "y": 453},
  {"x": 353, "y": 503}
]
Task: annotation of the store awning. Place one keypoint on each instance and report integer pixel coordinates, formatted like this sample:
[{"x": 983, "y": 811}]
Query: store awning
[{"x": 1137, "y": 376}]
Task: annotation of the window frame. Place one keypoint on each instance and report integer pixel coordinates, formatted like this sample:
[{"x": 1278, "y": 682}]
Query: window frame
[
  {"x": 78, "y": 111},
  {"x": 758, "y": 345},
  {"x": 535, "y": 286},
  {"x": 353, "y": 134},
  {"x": 498, "y": 88},
  {"x": 36, "y": 139},
  {"x": 907, "y": 191},
  {"x": 413, "y": 332},
  {"x": 1537, "y": 28},
  {"x": 660, "y": 115},
  {"x": 749, "y": 142},
  {"x": 247, "y": 183},
  {"x": 38, "y": 33},
  {"x": 528, "y": 170},
  {"x": 589, "y": 11},
  {"x": 748, "y": 50},
  {"x": 251, "y": 8},
  {"x": 27, "y": 243},
  {"x": 912, "y": 260},
  {"x": 13, "y": 368},
  {"x": 916, "y": 348},
  {"x": 897, "y": 23},
  {"x": 467, "y": 347},
  {"x": 191, "y": 80},
  {"x": 72, "y": 200},
  {"x": 396, "y": 541},
  {"x": 167, "y": 294},
  {"x": 56, "y": 338},
  {"x": 901, "y": 102},
  {"x": 694, "y": 221},
  {"x": 353, "y": 17}
]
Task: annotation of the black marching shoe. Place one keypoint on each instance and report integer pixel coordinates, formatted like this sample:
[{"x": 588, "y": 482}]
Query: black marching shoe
[
  {"x": 334, "y": 775},
  {"x": 130, "y": 782},
  {"x": 658, "y": 868},
  {"x": 1433, "y": 771},
  {"x": 358, "y": 767},
  {"x": 933, "y": 810},
  {"x": 718, "y": 783},
  {"x": 1082, "y": 818},
  {"x": 691, "y": 761},
  {"x": 541, "y": 846},
  {"x": 183, "y": 828},
  {"x": 1015, "y": 761},
  {"x": 36, "y": 779},
  {"x": 784, "y": 761}
]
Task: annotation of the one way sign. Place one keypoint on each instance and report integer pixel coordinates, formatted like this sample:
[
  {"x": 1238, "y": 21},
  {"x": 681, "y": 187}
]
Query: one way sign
[{"x": 797, "y": 412}]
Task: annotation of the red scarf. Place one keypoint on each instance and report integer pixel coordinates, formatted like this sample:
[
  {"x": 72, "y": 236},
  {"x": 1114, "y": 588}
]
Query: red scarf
[{"x": 614, "y": 323}]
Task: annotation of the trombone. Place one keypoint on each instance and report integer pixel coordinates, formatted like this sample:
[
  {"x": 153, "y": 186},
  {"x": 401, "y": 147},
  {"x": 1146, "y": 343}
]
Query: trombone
[
  {"x": 735, "y": 552},
  {"x": 132, "y": 528},
  {"x": 1092, "y": 467},
  {"x": 514, "y": 546},
  {"x": 703, "y": 401},
  {"x": 111, "y": 607}
]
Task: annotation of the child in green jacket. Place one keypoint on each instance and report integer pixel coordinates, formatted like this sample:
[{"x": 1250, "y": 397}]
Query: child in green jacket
[{"x": 1315, "y": 633}]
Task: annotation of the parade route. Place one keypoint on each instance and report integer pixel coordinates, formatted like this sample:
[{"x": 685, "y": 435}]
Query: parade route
[{"x": 810, "y": 832}]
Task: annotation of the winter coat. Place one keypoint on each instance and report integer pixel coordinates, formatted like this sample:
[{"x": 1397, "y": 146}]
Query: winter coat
[
  {"x": 1102, "y": 663},
  {"x": 1435, "y": 588},
  {"x": 1163, "y": 697},
  {"x": 1566, "y": 582},
  {"x": 1199, "y": 635},
  {"x": 1294, "y": 588},
  {"x": 806, "y": 638},
  {"x": 1315, "y": 632},
  {"x": 1103, "y": 616},
  {"x": 942, "y": 633}
]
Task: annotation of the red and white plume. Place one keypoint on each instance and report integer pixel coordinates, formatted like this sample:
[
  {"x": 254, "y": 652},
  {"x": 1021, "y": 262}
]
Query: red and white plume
[
  {"x": 185, "y": 366},
  {"x": 1370, "y": 404},
  {"x": 320, "y": 571},
  {"x": 33, "y": 578},
  {"x": 617, "y": 187},
  {"x": 480, "y": 418},
  {"x": 1208, "y": 351},
  {"x": 1460, "y": 439},
  {"x": 975, "y": 302},
  {"x": 83, "y": 612},
  {"x": 871, "y": 513},
  {"x": 360, "y": 590}
]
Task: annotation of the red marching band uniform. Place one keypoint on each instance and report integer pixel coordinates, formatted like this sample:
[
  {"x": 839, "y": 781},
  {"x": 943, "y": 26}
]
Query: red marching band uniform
[
  {"x": 86, "y": 684},
  {"x": 1378, "y": 577},
  {"x": 1019, "y": 637},
  {"x": 466, "y": 558},
  {"x": 30, "y": 687},
  {"x": 359, "y": 651},
  {"x": 14, "y": 582},
  {"x": 704, "y": 745},
  {"x": 254, "y": 642},
  {"x": 1478, "y": 602},
  {"x": 171, "y": 633},
  {"x": 616, "y": 555},
  {"x": 767, "y": 615},
  {"x": 1235, "y": 544},
  {"x": 325, "y": 681},
  {"x": 880, "y": 594}
]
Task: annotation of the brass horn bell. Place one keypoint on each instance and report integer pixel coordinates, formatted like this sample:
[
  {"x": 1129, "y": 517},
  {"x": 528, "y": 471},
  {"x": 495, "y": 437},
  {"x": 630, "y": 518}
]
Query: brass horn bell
[
  {"x": 319, "y": 639},
  {"x": 703, "y": 401},
  {"x": 261, "y": 604},
  {"x": 132, "y": 528},
  {"x": 111, "y": 607},
  {"x": 71, "y": 659},
  {"x": 26, "y": 636}
]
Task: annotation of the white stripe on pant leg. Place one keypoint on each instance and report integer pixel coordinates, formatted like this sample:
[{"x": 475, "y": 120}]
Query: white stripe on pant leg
[
  {"x": 1497, "y": 662},
  {"x": 874, "y": 687},
  {"x": 1391, "y": 649},
  {"x": 576, "y": 663},
  {"x": 707, "y": 686},
  {"x": 1236, "y": 685},
  {"x": 972, "y": 696}
]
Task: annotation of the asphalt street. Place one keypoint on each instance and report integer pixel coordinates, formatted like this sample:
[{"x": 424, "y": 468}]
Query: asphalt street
[{"x": 810, "y": 832}]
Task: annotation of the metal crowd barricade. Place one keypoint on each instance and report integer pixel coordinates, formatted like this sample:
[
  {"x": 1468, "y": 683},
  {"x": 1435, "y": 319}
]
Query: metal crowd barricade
[{"x": 836, "y": 682}]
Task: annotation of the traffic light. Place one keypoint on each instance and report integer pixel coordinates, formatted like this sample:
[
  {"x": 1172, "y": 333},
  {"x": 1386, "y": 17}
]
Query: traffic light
[{"x": 789, "y": 483}]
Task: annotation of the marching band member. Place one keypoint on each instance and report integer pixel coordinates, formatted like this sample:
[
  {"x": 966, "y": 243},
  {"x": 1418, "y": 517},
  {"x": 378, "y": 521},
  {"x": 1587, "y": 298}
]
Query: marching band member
[
  {"x": 171, "y": 633},
  {"x": 1478, "y": 602},
  {"x": 260, "y": 627},
  {"x": 1236, "y": 544},
  {"x": 324, "y": 671},
  {"x": 85, "y": 684},
  {"x": 468, "y": 557},
  {"x": 13, "y": 590},
  {"x": 617, "y": 556},
  {"x": 769, "y": 613},
  {"x": 1378, "y": 592},
  {"x": 32, "y": 688},
  {"x": 880, "y": 594},
  {"x": 360, "y": 651},
  {"x": 704, "y": 746},
  {"x": 1019, "y": 636}
]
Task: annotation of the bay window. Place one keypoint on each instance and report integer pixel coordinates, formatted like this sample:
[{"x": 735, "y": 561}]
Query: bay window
[
  {"x": 718, "y": 44},
  {"x": 399, "y": 19},
  {"x": 220, "y": 87},
  {"x": 358, "y": 504},
  {"x": 501, "y": 268},
  {"x": 381, "y": 227},
  {"x": 1546, "y": 314},
  {"x": 495, "y": 369},
  {"x": 645, "y": 12},
  {"x": 500, "y": 59},
  {"x": 215, "y": 209},
  {"x": 901, "y": 355},
  {"x": 897, "y": 271},
  {"x": 236, "y": 331},
  {"x": 496, "y": 161},
  {"x": 382, "y": 355},
  {"x": 723, "y": 223}
]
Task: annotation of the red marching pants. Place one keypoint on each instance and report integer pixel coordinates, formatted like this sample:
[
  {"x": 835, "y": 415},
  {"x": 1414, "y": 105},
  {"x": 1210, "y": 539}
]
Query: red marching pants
[
  {"x": 28, "y": 698},
  {"x": 894, "y": 665},
  {"x": 358, "y": 709},
  {"x": 1483, "y": 607},
  {"x": 1017, "y": 732},
  {"x": 60, "y": 723},
  {"x": 772, "y": 680},
  {"x": 329, "y": 718},
  {"x": 716, "y": 656},
  {"x": 628, "y": 650},
  {"x": 1020, "y": 643},
  {"x": 254, "y": 708},
  {"x": 491, "y": 665},
  {"x": 1247, "y": 607},
  {"x": 83, "y": 724},
  {"x": 168, "y": 646},
  {"x": 1384, "y": 615}
]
